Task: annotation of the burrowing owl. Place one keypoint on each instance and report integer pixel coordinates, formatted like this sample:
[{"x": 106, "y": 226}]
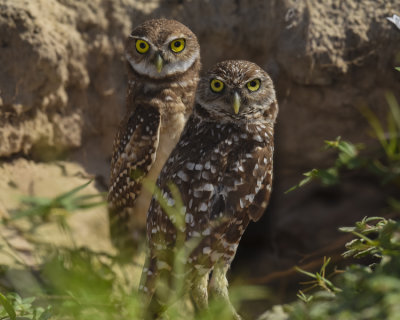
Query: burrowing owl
[
  {"x": 222, "y": 168},
  {"x": 163, "y": 72}
]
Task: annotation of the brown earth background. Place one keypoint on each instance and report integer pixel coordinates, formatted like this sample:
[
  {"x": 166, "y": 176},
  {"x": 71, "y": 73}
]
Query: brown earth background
[{"x": 62, "y": 90}]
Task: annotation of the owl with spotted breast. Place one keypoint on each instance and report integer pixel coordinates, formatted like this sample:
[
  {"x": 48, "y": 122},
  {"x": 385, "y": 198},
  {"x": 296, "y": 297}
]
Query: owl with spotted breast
[
  {"x": 222, "y": 170},
  {"x": 163, "y": 60}
]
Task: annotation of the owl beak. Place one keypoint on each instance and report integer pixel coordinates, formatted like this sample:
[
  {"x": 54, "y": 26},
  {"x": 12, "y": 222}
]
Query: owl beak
[
  {"x": 236, "y": 102},
  {"x": 159, "y": 62}
]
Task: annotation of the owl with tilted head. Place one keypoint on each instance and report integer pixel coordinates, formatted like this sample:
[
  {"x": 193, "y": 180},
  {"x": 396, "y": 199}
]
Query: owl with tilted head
[
  {"x": 163, "y": 62},
  {"x": 222, "y": 170}
]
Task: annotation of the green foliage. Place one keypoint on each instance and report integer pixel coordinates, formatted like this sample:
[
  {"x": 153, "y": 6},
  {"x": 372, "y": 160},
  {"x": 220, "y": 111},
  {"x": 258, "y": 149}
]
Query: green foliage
[
  {"x": 13, "y": 307},
  {"x": 360, "y": 292},
  {"x": 320, "y": 280},
  {"x": 387, "y": 135},
  {"x": 78, "y": 283},
  {"x": 385, "y": 240},
  {"x": 59, "y": 206},
  {"x": 73, "y": 282},
  {"x": 8, "y": 308},
  {"x": 383, "y": 162},
  {"x": 348, "y": 157}
]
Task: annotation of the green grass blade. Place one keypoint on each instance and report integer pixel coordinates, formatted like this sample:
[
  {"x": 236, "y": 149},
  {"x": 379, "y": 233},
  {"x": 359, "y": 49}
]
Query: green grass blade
[
  {"x": 37, "y": 201},
  {"x": 394, "y": 109},
  {"x": 392, "y": 138},
  {"x": 72, "y": 192},
  {"x": 8, "y": 307},
  {"x": 91, "y": 205},
  {"x": 311, "y": 275},
  {"x": 375, "y": 125},
  {"x": 35, "y": 211},
  {"x": 309, "y": 177}
]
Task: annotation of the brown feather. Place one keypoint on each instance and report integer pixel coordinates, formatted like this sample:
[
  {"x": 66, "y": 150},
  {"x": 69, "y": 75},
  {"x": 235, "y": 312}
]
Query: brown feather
[
  {"x": 158, "y": 105},
  {"x": 222, "y": 168}
]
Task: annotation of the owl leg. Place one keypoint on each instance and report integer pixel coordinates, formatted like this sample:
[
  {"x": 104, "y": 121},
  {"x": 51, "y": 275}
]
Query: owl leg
[
  {"x": 157, "y": 284},
  {"x": 199, "y": 292},
  {"x": 147, "y": 288},
  {"x": 218, "y": 288},
  {"x": 149, "y": 277}
]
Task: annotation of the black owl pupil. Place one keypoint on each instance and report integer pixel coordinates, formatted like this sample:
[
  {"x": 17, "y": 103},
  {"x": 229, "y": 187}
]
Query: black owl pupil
[
  {"x": 142, "y": 45},
  {"x": 217, "y": 84},
  {"x": 177, "y": 44},
  {"x": 253, "y": 83}
]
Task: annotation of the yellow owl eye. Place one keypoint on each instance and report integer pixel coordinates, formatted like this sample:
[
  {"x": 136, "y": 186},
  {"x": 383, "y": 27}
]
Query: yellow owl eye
[
  {"x": 216, "y": 85},
  {"x": 253, "y": 85},
  {"x": 177, "y": 45},
  {"x": 142, "y": 46}
]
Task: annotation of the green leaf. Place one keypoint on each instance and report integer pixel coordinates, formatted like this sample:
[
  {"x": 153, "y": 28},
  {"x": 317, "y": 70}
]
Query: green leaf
[
  {"x": 375, "y": 125},
  {"x": 311, "y": 275},
  {"x": 46, "y": 314},
  {"x": 73, "y": 191},
  {"x": 394, "y": 109},
  {"x": 333, "y": 143},
  {"x": 348, "y": 153},
  {"x": 397, "y": 68},
  {"x": 310, "y": 175},
  {"x": 392, "y": 135},
  {"x": 347, "y": 229},
  {"x": 328, "y": 176},
  {"x": 67, "y": 201},
  {"x": 8, "y": 307},
  {"x": 348, "y": 148},
  {"x": 304, "y": 297}
]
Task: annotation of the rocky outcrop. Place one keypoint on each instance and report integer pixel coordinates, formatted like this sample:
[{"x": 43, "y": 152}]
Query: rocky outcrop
[
  {"x": 58, "y": 62},
  {"x": 62, "y": 76}
]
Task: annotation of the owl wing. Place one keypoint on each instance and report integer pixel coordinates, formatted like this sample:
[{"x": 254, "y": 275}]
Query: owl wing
[
  {"x": 245, "y": 187},
  {"x": 135, "y": 147}
]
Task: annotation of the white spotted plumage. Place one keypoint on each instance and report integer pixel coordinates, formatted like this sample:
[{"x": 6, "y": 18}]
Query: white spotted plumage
[{"x": 222, "y": 167}]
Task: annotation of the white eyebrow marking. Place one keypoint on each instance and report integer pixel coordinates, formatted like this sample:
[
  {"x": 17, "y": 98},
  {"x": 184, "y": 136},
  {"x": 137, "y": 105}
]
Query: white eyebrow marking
[
  {"x": 140, "y": 38},
  {"x": 174, "y": 37}
]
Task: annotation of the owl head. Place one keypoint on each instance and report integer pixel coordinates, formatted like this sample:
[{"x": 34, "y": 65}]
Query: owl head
[
  {"x": 237, "y": 90},
  {"x": 162, "y": 48}
]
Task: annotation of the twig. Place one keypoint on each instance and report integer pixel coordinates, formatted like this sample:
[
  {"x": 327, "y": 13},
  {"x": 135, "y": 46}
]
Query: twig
[{"x": 291, "y": 271}]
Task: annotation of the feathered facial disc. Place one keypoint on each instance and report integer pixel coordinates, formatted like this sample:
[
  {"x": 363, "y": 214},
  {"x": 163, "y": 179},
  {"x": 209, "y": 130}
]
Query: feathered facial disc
[
  {"x": 161, "y": 48},
  {"x": 237, "y": 89}
]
